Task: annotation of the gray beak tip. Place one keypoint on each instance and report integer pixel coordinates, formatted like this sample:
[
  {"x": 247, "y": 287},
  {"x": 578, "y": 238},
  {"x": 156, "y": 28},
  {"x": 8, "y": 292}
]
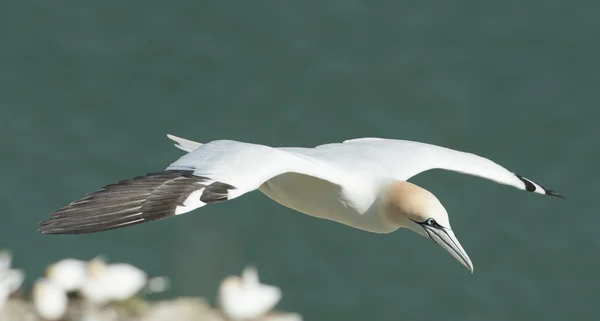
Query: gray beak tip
[{"x": 445, "y": 238}]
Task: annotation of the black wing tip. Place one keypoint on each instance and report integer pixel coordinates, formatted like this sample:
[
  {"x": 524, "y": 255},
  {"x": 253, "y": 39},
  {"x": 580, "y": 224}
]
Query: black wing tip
[
  {"x": 530, "y": 187},
  {"x": 550, "y": 192}
]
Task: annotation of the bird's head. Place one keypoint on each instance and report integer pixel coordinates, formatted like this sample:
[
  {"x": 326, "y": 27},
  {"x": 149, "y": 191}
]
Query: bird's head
[{"x": 410, "y": 206}]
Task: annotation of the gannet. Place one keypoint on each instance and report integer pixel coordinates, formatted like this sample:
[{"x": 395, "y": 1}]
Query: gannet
[
  {"x": 69, "y": 274},
  {"x": 246, "y": 298},
  {"x": 360, "y": 182},
  {"x": 49, "y": 299},
  {"x": 117, "y": 282}
]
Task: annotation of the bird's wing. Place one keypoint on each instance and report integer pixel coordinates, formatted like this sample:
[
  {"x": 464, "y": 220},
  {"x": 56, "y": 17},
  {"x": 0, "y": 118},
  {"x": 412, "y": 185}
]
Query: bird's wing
[
  {"x": 214, "y": 172},
  {"x": 405, "y": 159}
]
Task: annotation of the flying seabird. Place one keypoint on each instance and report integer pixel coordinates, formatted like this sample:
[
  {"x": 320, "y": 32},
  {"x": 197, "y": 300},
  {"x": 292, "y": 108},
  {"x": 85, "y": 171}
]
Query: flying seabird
[{"x": 359, "y": 182}]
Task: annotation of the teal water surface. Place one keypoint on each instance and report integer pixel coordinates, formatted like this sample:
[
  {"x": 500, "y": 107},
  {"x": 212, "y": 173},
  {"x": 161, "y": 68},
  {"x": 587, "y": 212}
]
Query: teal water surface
[{"x": 89, "y": 89}]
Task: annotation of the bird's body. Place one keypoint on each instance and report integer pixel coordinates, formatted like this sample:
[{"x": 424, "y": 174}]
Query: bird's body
[
  {"x": 357, "y": 182},
  {"x": 322, "y": 199}
]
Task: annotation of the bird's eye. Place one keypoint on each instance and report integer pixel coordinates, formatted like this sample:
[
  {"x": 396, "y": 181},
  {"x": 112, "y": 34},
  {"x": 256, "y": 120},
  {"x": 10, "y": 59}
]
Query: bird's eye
[{"x": 430, "y": 222}]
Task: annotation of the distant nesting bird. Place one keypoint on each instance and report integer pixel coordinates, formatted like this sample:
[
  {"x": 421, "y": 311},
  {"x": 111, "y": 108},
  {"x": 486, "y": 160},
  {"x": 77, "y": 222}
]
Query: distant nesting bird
[
  {"x": 246, "y": 298},
  {"x": 69, "y": 274},
  {"x": 49, "y": 299},
  {"x": 117, "y": 282},
  {"x": 360, "y": 182}
]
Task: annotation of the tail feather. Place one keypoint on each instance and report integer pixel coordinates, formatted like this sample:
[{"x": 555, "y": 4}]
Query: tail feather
[{"x": 184, "y": 144}]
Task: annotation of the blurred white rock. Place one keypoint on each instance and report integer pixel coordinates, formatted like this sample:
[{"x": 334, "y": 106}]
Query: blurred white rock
[
  {"x": 117, "y": 282},
  {"x": 49, "y": 299},
  {"x": 246, "y": 298},
  {"x": 69, "y": 273}
]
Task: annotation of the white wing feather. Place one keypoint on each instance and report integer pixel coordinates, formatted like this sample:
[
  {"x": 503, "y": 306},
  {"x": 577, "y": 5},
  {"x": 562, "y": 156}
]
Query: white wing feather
[
  {"x": 405, "y": 159},
  {"x": 247, "y": 166}
]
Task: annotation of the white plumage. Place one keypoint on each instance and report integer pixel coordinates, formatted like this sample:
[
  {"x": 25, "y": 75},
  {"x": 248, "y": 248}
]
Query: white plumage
[
  {"x": 360, "y": 182},
  {"x": 338, "y": 181}
]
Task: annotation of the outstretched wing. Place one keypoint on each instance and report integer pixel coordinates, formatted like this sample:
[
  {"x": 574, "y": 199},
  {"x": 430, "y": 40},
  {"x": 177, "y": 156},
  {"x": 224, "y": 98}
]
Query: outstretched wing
[
  {"x": 405, "y": 159},
  {"x": 214, "y": 172}
]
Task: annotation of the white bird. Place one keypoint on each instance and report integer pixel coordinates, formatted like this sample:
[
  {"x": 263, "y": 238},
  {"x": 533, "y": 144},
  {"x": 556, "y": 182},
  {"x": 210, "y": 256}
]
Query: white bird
[
  {"x": 117, "y": 282},
  {"x": 10, "y": 279},
  {"x": 49, "y": 299},
  {"x": 360, "y": 182},
  {"x": 69, "y": 273},
  {"x": 246, "y": 298}
]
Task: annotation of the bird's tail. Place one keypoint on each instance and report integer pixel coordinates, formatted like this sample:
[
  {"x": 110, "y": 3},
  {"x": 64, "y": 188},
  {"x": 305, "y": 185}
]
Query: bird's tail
[{"x": 184, "y": 144}]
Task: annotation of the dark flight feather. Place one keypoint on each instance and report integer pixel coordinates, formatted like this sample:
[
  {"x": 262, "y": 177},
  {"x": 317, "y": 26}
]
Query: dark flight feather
[{"x": 141, "y": 199}]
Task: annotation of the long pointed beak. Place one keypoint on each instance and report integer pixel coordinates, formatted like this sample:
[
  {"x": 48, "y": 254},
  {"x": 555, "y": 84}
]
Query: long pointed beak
[{"x": 446, "y": 239}]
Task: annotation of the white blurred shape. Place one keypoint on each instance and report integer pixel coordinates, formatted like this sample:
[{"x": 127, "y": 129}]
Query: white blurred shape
[
  {"x": 5, "y": 260},
  {"x": 246, "y": 298},
  {"x": 283, "y": 317},
  {"x": 10, "y": 279},
  {"x": 117, "y": 282},
  {"x": 4, "y": 294},
  {"x": 50, "y": 299},
  {"x": 158, "y": 284},
  {"x": 69, "y": 274}
]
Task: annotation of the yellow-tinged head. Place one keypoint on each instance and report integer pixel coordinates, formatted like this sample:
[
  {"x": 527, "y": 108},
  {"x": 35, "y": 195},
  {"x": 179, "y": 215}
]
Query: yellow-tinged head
[{"x": 410, "y": 206}]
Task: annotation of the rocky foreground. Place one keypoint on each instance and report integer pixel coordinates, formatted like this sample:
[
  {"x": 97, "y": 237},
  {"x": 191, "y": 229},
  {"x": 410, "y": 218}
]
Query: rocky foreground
[{"x": 180, "y": 309}]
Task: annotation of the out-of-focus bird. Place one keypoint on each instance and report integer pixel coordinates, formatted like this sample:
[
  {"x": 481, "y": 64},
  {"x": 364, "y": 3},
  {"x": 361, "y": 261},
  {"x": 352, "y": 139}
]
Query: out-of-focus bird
[
  {"x": 117, "y": 282},
  {"x": 246, "y": 298},
  {"x": 69, "y": 274},
  {"x": 10, "y": 279},
  {"x": 359, "y": 182},
  {"x": 5, "y": 260},
  {"x": 50, "y": 299}
]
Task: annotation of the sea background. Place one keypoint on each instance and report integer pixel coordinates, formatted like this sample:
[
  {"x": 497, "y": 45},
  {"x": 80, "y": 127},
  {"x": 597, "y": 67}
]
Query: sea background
[{"x": 88, "y": 90}]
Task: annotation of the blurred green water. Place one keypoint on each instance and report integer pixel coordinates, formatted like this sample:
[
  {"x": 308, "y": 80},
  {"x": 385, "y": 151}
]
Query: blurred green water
[{"x": 88, "y": 90}]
